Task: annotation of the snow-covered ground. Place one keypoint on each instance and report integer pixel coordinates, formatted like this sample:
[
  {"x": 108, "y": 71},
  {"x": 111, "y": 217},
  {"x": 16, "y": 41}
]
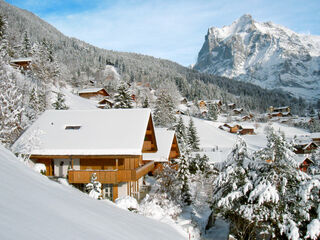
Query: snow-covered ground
[
  {"x": 34, "y": 207},
  {"x": 216, "y": 143}
]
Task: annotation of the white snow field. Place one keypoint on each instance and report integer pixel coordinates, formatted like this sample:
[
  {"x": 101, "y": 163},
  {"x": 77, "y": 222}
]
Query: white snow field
[
  {"x": 211, "y": 137},
  {"x": 34, "y": 207}
]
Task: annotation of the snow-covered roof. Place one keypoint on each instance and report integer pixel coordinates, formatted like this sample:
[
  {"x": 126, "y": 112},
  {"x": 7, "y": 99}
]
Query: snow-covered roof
[
  {"x": 315, "y": 135},
  {"x": 86, "y": 132},
  {"x": 21, "y": 60},
  {"x": 301, "y": 157},
  {"x": 280, "y": 108},
  {"x": 91, "y": 90},
  {"x": 164, "y": 142}
]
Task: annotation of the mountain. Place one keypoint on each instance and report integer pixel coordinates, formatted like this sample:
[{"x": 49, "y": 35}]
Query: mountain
[
  {"x": 266, "y": 54},
  {"x": 82, "y": 64}
]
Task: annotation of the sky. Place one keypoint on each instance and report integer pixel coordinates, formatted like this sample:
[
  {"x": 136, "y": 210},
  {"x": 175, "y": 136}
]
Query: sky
[{"x": 168, "y": 29}]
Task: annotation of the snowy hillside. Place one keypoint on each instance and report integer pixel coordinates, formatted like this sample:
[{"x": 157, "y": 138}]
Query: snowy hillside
[
  {"x": 211, "y": 137},
  {"x": 265, "y": 54},
  {"x": 34, "y": 207}
]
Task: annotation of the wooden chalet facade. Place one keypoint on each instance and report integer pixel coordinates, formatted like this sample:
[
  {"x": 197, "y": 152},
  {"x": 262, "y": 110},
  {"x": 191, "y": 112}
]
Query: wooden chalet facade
[
  {"x": 168, "y": 149},
  {"x": 110, "y": 143},
  {"x": 305, "y": 148},
  {"x": 93, "y": 93}
]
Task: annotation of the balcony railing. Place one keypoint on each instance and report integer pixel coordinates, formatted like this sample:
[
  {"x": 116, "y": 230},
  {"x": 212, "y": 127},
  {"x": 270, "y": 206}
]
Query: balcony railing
[{"x": 110, "y": 176}]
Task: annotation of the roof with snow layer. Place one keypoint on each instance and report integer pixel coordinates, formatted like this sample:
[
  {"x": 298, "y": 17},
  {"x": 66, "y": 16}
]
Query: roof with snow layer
[
  {"x": 164, "y": 142},
  {"x": 86, "y": 132}
]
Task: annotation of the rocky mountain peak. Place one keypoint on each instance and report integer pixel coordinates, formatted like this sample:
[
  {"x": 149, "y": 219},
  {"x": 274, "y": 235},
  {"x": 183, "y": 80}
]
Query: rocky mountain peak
[{"x": 266, "y": 54}]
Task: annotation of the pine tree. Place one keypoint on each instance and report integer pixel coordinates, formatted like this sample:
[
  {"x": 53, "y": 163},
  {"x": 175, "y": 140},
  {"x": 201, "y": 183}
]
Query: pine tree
[
  {"x": 60, "y": 104},
  {"x": 36, "y": 104},
  {"x": 180, "y": 130},
  {"x": 4, "y": 39},
  {"x": 266, "y": 196},
  {"x": 94, "y": 187},
  {"x": 25, "y": 46},
  {"x": 183, "y": 176},
  {"x": 163, "y": 114},
  {"x": 122, "y": 98},
  {"x": 145, "y": 102},
  {"x": 192, "y": 136},
  {"x": 212, "y": 112},
  {"x": 11, "y": 106}
]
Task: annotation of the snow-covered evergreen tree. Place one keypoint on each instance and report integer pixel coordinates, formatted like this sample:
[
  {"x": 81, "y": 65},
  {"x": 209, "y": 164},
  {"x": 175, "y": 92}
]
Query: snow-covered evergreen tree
[
  {"x": 60, "y": 104},
  {"x": 213, "y": 111},
  {"x": 4, "y": 39},
  {"x": 183, "y": 176},
  {"x": 25, "y": 50},
  {"x": 122, "y": 98},
  {"x": 146, "y": 103},
  {"x": 180, "y": 130},
  {"x": 266, "y": 196},
  {"x": 163, "y": 114},
  {"x": 11, "y": 106},
  {"x": 36, "y": 104},
  {"x": 192, "y": 136},
  {"x": 94, "y": 187}
]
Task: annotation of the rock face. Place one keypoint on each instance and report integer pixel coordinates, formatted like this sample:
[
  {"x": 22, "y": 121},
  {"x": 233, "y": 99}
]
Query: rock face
[{"x": 265, "y": 54}]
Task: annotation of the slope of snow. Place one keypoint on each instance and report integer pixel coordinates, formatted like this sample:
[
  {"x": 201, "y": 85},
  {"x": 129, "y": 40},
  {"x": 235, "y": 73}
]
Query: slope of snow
[
  {"x": 33, "y": 207},
  {"x": 216, "y": 143}
]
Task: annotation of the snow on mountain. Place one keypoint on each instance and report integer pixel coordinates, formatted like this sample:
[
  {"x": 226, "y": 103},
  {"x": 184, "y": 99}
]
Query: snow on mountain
[
  {"x": 265, "y": 54},
  {"x": 34, "y": 207}
]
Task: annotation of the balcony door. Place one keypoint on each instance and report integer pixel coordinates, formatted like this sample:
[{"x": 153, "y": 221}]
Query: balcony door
[{"x": 108, "y": 191}]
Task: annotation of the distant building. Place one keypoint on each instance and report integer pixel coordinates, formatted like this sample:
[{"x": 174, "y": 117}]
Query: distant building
[
  {"x": 23, "y": 63},
  {"x": 93, "y": 93}
]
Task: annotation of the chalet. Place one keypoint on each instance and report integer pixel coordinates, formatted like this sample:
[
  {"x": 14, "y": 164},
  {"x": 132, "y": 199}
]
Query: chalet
[
  {"x": 232, "y": 129},
  {"x": 183, "y": 101},
  {"x": 237, "y": 110},
  {"x": 304, "y": 161},
  {"x": 217, "y": 102},
  {"x": 279, "y": 109},
  {"x": 77, "y": 143},
  {"x": 247, "y": 117},
  {"x": 231, "y": 106},
  {"x": 105, "y": 103},
  {"x": 93, "y": 93},
  {"x": 168, "y": 148},
  {"x": 316, "y": 138},
  {"x": 23, "y": 63},
  {"x": 304, "y": 145},
  {"x": 202, "y": 104},
  {"x": 246, "y": 131}
]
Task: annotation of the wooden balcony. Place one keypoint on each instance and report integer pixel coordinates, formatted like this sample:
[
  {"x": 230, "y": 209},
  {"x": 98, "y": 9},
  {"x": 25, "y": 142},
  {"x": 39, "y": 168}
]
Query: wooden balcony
[{"x": 110, "y": 176}]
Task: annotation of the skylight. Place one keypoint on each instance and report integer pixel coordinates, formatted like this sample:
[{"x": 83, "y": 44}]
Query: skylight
[{"x": 74, "y": 127}]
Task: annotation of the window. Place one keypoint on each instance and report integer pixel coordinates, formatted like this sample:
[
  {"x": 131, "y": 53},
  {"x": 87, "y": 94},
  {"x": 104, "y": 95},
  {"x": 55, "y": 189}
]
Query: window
[
  {"x": 108, "y": 191},
  {"x": 72, "y": 127}
]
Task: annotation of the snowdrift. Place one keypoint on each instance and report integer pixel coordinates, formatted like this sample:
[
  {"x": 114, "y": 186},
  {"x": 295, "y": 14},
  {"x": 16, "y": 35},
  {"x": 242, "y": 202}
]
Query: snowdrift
[{"x": 34, "y": 207}]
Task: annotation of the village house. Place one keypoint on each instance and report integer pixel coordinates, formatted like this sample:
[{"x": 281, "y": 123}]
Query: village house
[
  {"x": 23, "y": 63},
  {"x": 285, "y": 109},
  {"x": 77, "y": 143},
  {"x": 237, "y": 129},
  {"x": 202, "y": 104},
  {"x": 316, "y": 138},
  {"x": 304, "y": 145},
  {"x": 304, "y": 162},
  {"x": 237, "y": 111},
  {"x": 93, "y": 93},
  {"x": 168, "y": 149},
  {"x": 231, "y": 106},
  {"x": 105, "y": 103}
]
